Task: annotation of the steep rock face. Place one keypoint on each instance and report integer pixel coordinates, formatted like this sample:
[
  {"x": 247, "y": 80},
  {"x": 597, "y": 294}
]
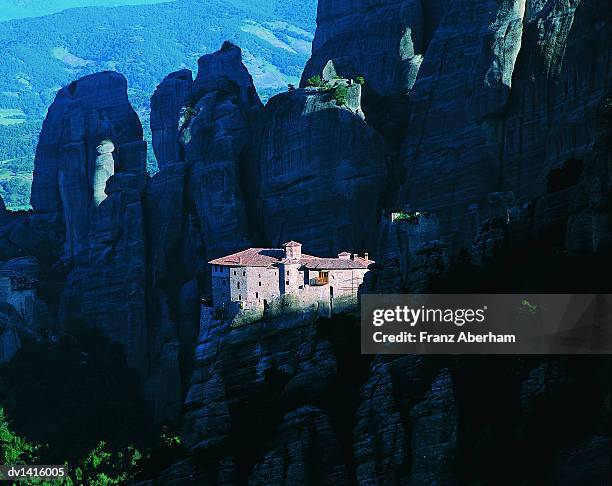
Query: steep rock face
[
  {"x": 307, "y": 453},
  {"x": 255, "y": 382},
  {"x": 384, "y": 42},
  {"x": 410, "y": 252},
  {"x": 405, "y": 434},
  {"x": 89, "y": 111},
  {"x": 557, "y": 92},
  {"x": 169, "y": 97},
  {"x": 321, "y": 172},
  {"x": 107, "y": 290},
  {"x": 216, "y": 130},
  {"x": 503, "y": 96},
  {"x": 90, "y": 173},
  {"x": 10, "y": 325},
  {"x": 290, "y": 401},
  {"x": 452, "y": 145},
  {"x": 589, "y": 226}
]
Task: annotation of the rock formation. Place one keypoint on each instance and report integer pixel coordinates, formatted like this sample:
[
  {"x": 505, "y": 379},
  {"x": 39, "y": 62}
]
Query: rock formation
[
  {"x": 88, "y": 111},
  {"x": 216, "y": 130},
  {"x": 485, "y": 121},
  {"x": 167, "y": 101},
  {"x": 321, "y": 171}
]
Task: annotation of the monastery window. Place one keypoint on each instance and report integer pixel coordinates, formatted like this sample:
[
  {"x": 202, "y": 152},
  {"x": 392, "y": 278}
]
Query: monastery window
[
  {"x": 287, "y": 282},
  {"x": 237, "y": 285},
  {"x": 257, "y": 295},
  {"x": 260, "y": 284},
  {"x": 239, "y": 297},
  {"x": 234, "y": 272},
  {"x": 243, "y": 273},
  {"x": 287, "y": 272}
]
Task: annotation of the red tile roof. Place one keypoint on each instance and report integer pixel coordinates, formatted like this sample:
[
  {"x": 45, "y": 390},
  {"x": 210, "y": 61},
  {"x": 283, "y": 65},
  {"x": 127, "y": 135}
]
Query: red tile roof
[
  {"x": 337, "y": 263},
  {"x": 264, "y": 257},
  {"x": 252, "y": 257}
]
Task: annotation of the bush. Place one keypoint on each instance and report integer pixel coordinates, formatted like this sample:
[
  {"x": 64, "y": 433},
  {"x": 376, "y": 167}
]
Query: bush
[
  {"x": 314, "y": 81},
  {"x": 412, "y": 217},
  {"x": 14, "y": 450},
  {"x": 340, "y": 95},
  {"x": 360, "y": 80}
]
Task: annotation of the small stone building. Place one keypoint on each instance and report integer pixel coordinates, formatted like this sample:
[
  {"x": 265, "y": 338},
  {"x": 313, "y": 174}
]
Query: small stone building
[
  {"x": 20, "y": 291},
  {"x": 253, "y": 278}
]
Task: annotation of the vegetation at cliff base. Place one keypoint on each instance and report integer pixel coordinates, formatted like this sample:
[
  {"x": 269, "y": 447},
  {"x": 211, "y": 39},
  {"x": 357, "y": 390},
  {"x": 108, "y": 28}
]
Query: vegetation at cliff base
[
  {"x": 74, "y": 401},
  {"x": 99, "y": 467}
]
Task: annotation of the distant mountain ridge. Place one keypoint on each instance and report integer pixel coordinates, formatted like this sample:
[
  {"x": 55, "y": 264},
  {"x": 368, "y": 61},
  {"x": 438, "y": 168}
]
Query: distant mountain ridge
[
  {"x": 20, "y": 9},
  {"x": 144, "y": 42}
]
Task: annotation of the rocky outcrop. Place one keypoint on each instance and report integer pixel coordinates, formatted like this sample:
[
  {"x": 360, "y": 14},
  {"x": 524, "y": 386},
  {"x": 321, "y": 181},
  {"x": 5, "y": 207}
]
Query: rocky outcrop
[
  {"x": 384, "y": 43},
  {"x": 166, "y": 104},
  {"x": 452, "y": 145},
  {"x": 411, "y": 253},
  {"x": 89, "y": 111},
  {"x": 321, "y": 171},
  {"x": 11, "y": 323},
  {"x": 307, "y": 452},
  {"x": 499, "y": 110},
  {"x": 90, "y": 172},
  {"x": 216, "y": 129},
  {"x": 107, "y": 290},
  {"x": 500, "y": 100}
]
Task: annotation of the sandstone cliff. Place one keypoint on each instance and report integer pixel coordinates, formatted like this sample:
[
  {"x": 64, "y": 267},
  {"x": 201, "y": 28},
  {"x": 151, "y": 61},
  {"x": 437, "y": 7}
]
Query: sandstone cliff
[
  {"x": 484, "y": 122},
  {"x": 321, "y": 172}
]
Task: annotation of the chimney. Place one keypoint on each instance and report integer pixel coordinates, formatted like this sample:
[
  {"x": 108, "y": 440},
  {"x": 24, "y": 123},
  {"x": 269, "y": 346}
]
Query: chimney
[
  {"x": 366, "y": 256},
  {"x": 345, "y": 255},
  {"x": 353, "y": 256},
  {"x": 239, "y": 259}
]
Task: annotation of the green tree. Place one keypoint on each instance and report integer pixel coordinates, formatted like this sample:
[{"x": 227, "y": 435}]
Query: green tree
[
  {"x": 14, "y": 450},
  {"x": 340, "y": 95}
]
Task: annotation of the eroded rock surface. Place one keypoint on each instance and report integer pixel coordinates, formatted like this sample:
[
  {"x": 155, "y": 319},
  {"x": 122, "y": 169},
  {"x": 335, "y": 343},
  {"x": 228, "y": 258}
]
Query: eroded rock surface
[
  {"x": 166, "y": 104},
  {"x": 321, "y": 172},
  {"x": 216, "y": 131},
  {"x": 90, "y": 110}
]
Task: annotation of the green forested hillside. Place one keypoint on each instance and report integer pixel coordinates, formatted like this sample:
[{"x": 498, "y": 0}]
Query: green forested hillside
[{"x": 144, "y": 42}]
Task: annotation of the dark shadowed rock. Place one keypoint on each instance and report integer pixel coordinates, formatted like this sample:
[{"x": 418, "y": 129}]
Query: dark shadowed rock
[
  {"x": 167, "y": 101},
  {"x": 216, "y": 130},
  {"x": 11, "y": 324},
  {"x": 321, "y": 172},
  {"x": 306, "y": 452},
  {"x": 90, "y": 171},
  {"x": 452, "y": 145},
  {"x": 383, "y": 42},
  {"x": 501, "y": 99},
  {"x": 89, "y": 111},
  {"x": 434, "y": 435}
]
